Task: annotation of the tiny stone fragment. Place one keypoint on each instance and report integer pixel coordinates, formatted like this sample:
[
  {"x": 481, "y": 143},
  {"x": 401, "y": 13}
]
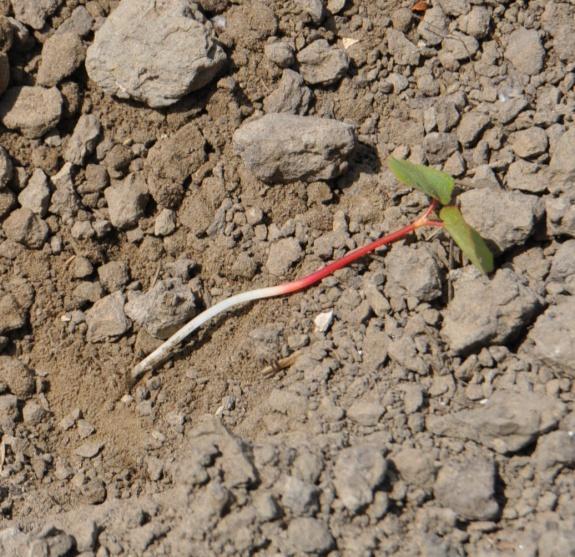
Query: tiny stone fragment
[{"x": 106, "y": 319}]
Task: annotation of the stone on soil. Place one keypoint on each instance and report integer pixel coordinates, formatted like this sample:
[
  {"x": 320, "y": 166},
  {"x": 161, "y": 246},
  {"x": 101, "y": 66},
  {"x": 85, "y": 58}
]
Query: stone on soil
[
  {"x": 357, "y": 472},
  {"x": 485, "y": 311},
  {"x": 468, "y": 488},
  {"x": 62, "y": 55},
  {"x": 529, "y": 143},
  {"x": 525, "y": 51},
  {"x": 553, "y": 334},
  {"x": 285, "y": 147},
  {"x": 404, "y": 52},
  {"x": 36, "y": 195},
  {"x": 17, "y": 376},
  {"x": 26, "y": 227},
  {"x": 127, "y": 201},
  {"x": 12, "y": 315},
  {"x": 291, "y": 95},
  {"x": 83, "y": 140},
  {"x": 154, "y": 53},
  {"x": 280, "y": 53},
  {"x": 283, "y": 255},
  {"x": 504, "y": 218},
  {"x": 309, "y": 535},
  {"x": 322, "y": 64},
  {"x": 106, "y": 319},
  {"x": 32, "y": 111},
  {"x": 162, "y": 310},
  {"x": 508, "y": 422},
  {"x": 412, "y": 271},
  {"x": 34, "y": 12},
  {"x": 415, "y": 466},
  {"x": 563, "y": 157}
]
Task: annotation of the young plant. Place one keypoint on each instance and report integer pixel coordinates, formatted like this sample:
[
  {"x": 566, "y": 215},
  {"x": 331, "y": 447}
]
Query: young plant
[{"x": 434, "y": 183}]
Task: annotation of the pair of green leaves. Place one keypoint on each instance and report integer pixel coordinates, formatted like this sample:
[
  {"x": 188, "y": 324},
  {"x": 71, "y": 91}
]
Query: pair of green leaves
[{"x": 439, "y": 186}]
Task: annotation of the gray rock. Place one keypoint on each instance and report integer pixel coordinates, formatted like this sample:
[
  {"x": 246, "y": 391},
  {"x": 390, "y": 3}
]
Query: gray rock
[
  {"x": 83, "y": 140},
  {"x": 33, "y": 413},
  {"x": 471, "y": 126},
  {"x": 89, "y": 449},
  {"x": 563, "y": 156},
  {"x": 291, "y": 95},
  {"x": 563, "y": 265},
  {"x": 64, "y": 200},
  {"x": 320, "y": 63},
  {"x": 403, "y": 350},
  {"x": 165, "y": 223},
  {"x": 526, "y": 176},
  {"x": 556, "y": 543},
  {"x": 525, "y": 51},
  {"x": 455, "y": 8},
  {"x": 280, "y": 53},
  {"x": 555, "y": 450},
  {"x": 460, "y": 46},
  {"x": 309, "y": 535},
  {"x": 468, "y": 488},
  {"x": 12, "y": 315},
  {"x": 300, "y": 497},
  {"x": 32, "y": 111},
  {"x": 505, "y": 219},
  {"x": 114, "y": 275},
  {"x": 127, "y": 201},
  {"x": 561, "y": 215},
  {"x": 412, "y": 271},
  {"x": 433, "y": 26},
  {"x": 36, "y": 195},
  {"x": 154, "y": 53},
  {"x": 86, "y": 292},
  {"x": 26, "y": 227},
  {"x": 507, "y": 109},
  {"x": 17, "y": 376},
  {"x": 366, "y": 412},
  {"x": 485, "y": 311},
  {"x": 106, "y": 319},
  {"x": 171, "y": 161},
  {"x": 81, "y": 267},
  {"x": 357, "y": 472},
  {"x": 6, "y": 168},
  {"x": 9, "y": 413},
  {"x": 283, "y": 255},
  {"x": 506, "y": 423},
  {"x": 553, "y": 334},
  {"x": 415, "y": 466},
  {"x": 404, "y": 52},
  {"x": 286, "y": 147},
  {"x": 163, "y": 309},
  {"x": 564, "y": 43},
  {"x": 80, "y": 22},
  {"x": 477, "y": 22},
  {"x": 34, "y": 12},
  {"x": 62, "y": 55},
  {"x": 315, "y": 9},
  {"x": 529, "y": 143},
  {"x": 439, "y": 146}
]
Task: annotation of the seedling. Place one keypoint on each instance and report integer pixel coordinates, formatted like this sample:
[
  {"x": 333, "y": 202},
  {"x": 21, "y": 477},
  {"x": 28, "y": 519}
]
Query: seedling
[{"x": 437, "y": 185}]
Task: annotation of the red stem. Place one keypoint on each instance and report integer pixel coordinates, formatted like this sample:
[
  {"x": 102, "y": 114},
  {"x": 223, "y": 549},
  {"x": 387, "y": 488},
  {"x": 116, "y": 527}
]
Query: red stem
[{"x": 320, "y": 274}]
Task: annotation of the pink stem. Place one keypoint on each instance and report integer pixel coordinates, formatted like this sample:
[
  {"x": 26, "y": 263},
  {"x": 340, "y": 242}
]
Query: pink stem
[{"x": 320, "y": 274}]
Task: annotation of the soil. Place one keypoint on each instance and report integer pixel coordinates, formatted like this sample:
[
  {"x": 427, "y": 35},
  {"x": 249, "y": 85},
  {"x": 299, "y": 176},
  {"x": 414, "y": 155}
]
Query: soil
[{"x": 221, "y": 450}]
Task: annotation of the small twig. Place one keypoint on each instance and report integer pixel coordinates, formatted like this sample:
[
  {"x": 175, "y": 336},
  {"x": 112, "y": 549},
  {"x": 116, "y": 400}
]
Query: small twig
[{"x": 283, "y": 363}]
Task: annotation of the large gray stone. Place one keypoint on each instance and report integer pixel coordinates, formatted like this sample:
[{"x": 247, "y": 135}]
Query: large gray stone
[
  {"x": 488, "y": 310},
  {"x": 31, "y": 110},
  {"x": 285, "y": 147},
  {"x": 504, "y": 218},
  {"x": 553, "y": 336},
  {"x": 154, "y": 52},
  {"x": 506, "y": 423},
  {"x": 164, "y": 308}
]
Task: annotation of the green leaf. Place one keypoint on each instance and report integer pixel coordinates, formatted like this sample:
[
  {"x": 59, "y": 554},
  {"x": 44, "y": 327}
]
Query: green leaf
[
  {"x": 467, "y": 238},
  {"x": 434, "y": 183}
]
